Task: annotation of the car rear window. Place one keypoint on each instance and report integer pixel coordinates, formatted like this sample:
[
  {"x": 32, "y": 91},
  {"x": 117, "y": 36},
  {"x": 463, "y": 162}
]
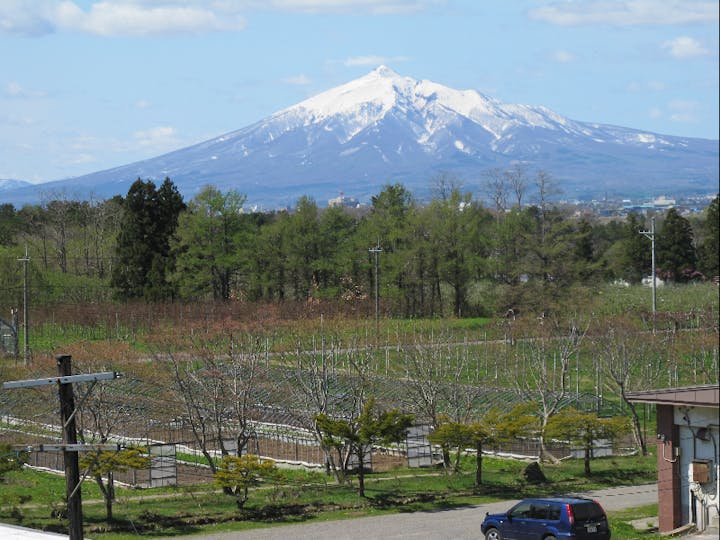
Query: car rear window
[{"x": 587, "y": 511}]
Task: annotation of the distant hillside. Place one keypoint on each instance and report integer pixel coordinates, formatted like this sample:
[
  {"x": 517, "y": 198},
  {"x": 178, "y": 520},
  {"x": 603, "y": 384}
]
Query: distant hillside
[{"x": 8, "y": 183}]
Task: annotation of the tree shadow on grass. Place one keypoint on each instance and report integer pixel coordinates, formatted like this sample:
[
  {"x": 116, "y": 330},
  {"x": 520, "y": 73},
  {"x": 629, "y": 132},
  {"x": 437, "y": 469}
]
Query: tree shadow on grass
[{"x": 157, "y": 525}]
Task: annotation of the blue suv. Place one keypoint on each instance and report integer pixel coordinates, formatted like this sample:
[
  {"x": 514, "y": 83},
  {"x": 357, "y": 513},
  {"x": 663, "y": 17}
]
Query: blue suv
[{"x": 558, "y": 518}]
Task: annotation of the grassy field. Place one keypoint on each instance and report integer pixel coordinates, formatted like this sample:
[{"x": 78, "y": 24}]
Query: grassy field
[
  {"x": 681, "y": 339},
  {"x": 34, "y": 499},
  {"x": 139, "y": 325}
]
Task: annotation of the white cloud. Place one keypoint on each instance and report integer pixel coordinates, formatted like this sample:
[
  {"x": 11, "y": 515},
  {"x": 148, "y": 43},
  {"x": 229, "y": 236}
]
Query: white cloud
[
  {"x": 685, "y": 47},
  {"x": 683, "y": 111},
  {"x": 85, "y": 143},
  {"x": 679, "y": 110},
  {"x": 19, "y": 121},
  {"x": 15, "y": 90},
  {"x": 627, "y": 12},
  {"x": 159, "y": 138},
  {"x": 30, "y": 17},
  {"x": 152, "y": 17},
  {"x": 142, "y": 104},
  {"x": 117, "y": 17},
  {"x": 298, "y": 80},
  {"x": 563, "y": 57},
  {"x": 373, "y": 7},
  {"x": 373, "y": 60},
  {"x": 653, "y": 86},
  {"x": 81, "y": 159}
]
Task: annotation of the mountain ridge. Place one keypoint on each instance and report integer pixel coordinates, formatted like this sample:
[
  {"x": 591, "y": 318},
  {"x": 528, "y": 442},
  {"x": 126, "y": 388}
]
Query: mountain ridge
[
  {"x": 384, "y": 128},
  {"x": 11, "y": 183}
]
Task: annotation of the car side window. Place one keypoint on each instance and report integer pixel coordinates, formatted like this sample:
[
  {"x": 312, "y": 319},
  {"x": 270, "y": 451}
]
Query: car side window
[
  {"x": 554, "y": 512},
  {"x": 522, "y": 510},
  {"x": 539, "y": 511}
]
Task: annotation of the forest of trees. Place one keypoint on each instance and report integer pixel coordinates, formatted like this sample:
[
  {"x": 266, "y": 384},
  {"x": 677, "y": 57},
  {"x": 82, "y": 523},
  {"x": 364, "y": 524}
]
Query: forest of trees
[{"x": 449, "y": 256}]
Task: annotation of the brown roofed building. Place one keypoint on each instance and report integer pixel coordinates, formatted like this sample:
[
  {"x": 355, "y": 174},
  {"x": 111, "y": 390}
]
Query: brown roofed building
[{"x": 688, "y": 439}]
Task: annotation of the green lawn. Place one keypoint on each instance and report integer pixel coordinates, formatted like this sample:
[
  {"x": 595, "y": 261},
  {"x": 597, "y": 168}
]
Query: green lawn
[{"x": 34, "y": 499}]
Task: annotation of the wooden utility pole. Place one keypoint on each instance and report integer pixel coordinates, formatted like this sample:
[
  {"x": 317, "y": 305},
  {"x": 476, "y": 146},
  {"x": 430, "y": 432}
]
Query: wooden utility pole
[
  {"x": 69, "y": 446},
  {"x": 72, "y": 465}
]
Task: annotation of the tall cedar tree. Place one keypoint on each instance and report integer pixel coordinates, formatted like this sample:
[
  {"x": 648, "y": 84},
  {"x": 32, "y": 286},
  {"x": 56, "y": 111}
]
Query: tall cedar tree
[
  {"x": 9, "y": 224},
  {"x": 636, "y": 252},
  {"x": 143, "y": 246},
  {"x": 710, "y": 260},
  {"x": 676, "y": 257}
]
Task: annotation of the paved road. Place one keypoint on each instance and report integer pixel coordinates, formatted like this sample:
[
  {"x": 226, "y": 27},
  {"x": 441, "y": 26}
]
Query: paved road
[{"x": 459, "y": 524}]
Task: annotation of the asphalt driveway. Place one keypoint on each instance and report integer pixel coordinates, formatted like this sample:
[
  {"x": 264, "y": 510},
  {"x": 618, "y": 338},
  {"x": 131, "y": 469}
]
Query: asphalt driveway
[{"x": 457, "y": 524}]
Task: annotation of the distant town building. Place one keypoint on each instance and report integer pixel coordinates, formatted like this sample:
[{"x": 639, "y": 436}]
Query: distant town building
[
  {"x": 342, "y": 200},
  {"x": 659, "y": 203},
  {"x": 663, "y": 202}
]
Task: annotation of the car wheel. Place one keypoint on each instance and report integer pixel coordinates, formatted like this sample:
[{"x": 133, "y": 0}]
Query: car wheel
[{"x": 493, "y": 534}]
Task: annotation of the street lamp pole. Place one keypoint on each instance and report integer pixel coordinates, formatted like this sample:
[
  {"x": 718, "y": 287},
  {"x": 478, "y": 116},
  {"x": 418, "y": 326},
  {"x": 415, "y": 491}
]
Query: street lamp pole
[
  {"x": 651, "y": 235},
  {"x": 377, "y": 250},
  {"x": 26, "y": 325}
]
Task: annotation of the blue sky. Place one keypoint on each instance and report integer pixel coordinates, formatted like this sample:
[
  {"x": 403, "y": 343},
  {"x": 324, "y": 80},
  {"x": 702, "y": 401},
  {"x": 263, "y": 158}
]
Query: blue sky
[{"x": 87, "y": 85}]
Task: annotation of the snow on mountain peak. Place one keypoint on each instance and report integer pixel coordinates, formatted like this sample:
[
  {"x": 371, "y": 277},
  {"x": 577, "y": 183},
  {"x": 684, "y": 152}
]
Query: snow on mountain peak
[
  {"x": 371, "y": 96},
  {"x": 364, "y": 101},
  {"x": 384, "y": 71}
]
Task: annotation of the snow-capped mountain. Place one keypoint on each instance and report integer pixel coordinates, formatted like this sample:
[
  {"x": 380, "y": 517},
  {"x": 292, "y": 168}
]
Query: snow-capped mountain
[
  {"x": 9, "y": 183},
  {"x": 385, "y": 128}
]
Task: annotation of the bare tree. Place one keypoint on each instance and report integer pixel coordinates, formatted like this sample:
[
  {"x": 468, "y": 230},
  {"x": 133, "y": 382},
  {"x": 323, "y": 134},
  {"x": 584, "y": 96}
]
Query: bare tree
[
  {"x": 516, "y": 178},
  {"x": 541, "y": 369},
  {"x": 106, "y": 415},
  {"x": 104, "y": 221},
  {"x": 59, "y": 211},
  {"x": 437, "y": 388},
  {"x": 444, "y": 184},
  {"x": 312, "y": 372},
  {"x": 546, "y": 189},
  {"x": 333, "y": 384},
  {"x": 629, "y": 364},
  {"x": 217, "y": 393},
  {"x": 495, "y": 184}
]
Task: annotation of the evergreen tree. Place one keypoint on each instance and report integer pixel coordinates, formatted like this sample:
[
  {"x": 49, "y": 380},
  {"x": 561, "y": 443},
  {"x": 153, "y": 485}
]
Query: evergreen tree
[
  {"x": 301, "y": 247},
  {"x": 584, "y": 252},
  {"x": 509, "y": 238},
  {"x": 210, "y": 245},
  {"x": 387, "y": 225},
  {"x": 170, "y": 205},
  {"x": 634, "y": 256},
  {"x": 675, "y": 252},
  {"x": 335, "y": 230},
  {"x": 373, "y": 426},
  {"x": 268, "y": 264},
  {"x": 455, "y": 224},
  {"x": 710, "y": 258},
  {"x": 8, "y": 224},
  {"x": 150, "y": 217}
]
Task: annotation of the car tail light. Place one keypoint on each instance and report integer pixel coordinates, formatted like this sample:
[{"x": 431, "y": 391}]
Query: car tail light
[
  {"x": 601, "y": 508},
  {"x": 571, "y": 517}
]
